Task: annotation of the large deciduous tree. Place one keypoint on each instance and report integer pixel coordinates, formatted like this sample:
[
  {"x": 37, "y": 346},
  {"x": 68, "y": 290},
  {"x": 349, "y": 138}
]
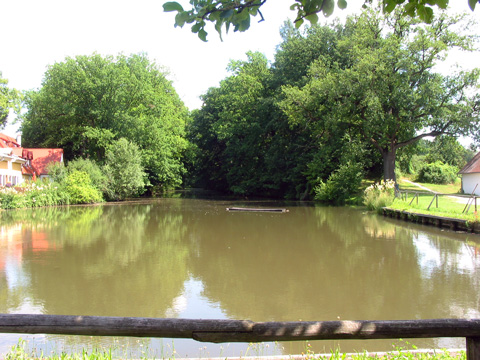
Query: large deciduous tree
[
  {"x": 238, "y": 13},
  {"x": 87, "y": 103},
  {"x": 387, "y": 90},
  {"x": 9, "y": 99},
  {"x": 230, "y": 128}
]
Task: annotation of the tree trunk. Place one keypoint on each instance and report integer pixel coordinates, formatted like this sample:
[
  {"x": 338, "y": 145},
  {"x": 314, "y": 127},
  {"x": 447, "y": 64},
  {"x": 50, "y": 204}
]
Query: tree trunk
[{"x": 389, "y": 164}]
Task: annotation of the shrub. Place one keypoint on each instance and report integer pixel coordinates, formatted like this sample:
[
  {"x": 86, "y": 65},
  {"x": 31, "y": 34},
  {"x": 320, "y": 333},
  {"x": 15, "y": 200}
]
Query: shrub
[
  {"x": 10, "y": 198},
  {"x": 437, "y": 173},
  {"x": 39, "y": 193},
  {"x": 57, "y": 171},
  {"x": 80, "y": 190},
  {"x": 379, "y": 195},
  {"x": 341, "y": 185},
  {"x": 98, "y": 178},
  {"x": 123, "y": 166}
]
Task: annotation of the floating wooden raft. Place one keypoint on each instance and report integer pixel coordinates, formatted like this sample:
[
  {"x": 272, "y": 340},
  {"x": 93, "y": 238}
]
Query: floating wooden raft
[{"x": 257, "y": 209}]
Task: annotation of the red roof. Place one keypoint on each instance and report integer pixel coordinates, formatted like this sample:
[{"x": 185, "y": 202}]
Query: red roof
[
  {"x": 40, "y": 159},
  {"x": 473, "y": 166},
  {"x": 8, "y": 142}
]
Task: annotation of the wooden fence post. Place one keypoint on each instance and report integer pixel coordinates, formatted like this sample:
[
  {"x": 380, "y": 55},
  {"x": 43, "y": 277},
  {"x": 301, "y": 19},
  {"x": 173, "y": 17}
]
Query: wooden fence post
[
  {"x": 473, "y": 348},
  {"x": 431, "y": 202}
]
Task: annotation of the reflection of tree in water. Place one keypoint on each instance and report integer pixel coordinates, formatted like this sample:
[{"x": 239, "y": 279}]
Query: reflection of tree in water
[
  {"x": 310, "y": 264},
  {"x": 314, "y": 264},
  {"x": 451, "y": 268},
  {"x": 116, "y": 261}
]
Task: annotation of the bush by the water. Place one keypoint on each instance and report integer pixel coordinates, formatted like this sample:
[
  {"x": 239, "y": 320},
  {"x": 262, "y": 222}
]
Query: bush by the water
[
  {"x": 126, "y": 175},
  {"x": 379, "y": 195},
  {"x": 341, "y": 185},
  {"x": 80, "y": 190},
  {"x": 437, "y": 173},
  {"x": 40, "y": 193}
]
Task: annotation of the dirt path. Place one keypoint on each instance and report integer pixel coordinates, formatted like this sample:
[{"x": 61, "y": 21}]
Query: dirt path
[{"x": 420, "y": 186}]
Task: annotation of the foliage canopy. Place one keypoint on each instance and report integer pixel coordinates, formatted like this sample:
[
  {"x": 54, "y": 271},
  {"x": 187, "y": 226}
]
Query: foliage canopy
[
  {"x": 9, "y": 99},
  {"x": 386, "y": 90},
  {"x": 335, "y": 95},
  {"x": 87, "y": 103},
  {"x": 238, "y": 13}
]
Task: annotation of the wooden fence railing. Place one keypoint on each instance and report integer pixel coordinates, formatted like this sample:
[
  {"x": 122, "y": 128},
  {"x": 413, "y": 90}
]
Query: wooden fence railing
[
  {"x": 414, "y": 194},
  {"x": 244, "y": 330}
]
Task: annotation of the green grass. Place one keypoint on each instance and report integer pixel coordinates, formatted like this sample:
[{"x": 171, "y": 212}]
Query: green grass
[
  {"x": 454, "y": 188},
  {"x": 406, "y": 352},
  {"x": 447, "y": 206}
]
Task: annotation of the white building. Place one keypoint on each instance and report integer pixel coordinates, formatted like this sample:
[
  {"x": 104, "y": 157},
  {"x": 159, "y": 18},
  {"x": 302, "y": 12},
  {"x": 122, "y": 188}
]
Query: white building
[
  {"x": 10, "y": 168},
  {"x": 471, "y": 176}
]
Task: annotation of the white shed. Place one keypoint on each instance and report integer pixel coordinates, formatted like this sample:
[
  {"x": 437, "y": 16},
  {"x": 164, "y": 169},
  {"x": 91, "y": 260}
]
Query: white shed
[{"x": 471, "y": 176}]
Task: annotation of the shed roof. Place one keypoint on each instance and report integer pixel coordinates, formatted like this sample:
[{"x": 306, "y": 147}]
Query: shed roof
[{"x": 473, "y": 166}]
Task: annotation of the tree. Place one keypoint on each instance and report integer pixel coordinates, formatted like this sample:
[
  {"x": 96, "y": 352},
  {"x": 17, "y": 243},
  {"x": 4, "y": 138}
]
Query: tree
[
  {"x": 245, "y": 142},
  {"x": 123, "y": 167},
  {"x": 387, "y": 91},
  {"x": 448, "y": 150},
  {"x": 237, "y": 13},
  {"x": 87, "y": 103},
  {"x": 9, "y": 99},
  {"x": 229, "y": 129}
]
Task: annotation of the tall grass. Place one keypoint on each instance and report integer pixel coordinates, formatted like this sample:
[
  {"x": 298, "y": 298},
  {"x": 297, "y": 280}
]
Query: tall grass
[{"x": 379, "y": 195}]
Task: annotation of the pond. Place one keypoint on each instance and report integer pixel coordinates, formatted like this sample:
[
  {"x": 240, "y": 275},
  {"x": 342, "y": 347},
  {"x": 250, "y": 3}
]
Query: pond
[{"x": 190, "y": 258}]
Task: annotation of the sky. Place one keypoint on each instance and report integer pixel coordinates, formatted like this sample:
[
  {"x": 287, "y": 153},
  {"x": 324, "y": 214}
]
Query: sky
[{"x": 36, "y": 34}]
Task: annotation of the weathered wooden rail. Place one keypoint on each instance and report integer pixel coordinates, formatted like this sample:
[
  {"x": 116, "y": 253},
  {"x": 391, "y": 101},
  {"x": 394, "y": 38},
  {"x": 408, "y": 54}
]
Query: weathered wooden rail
[
  {"x": 404, "y": 195},
  {"x": 245, "y": 330}
]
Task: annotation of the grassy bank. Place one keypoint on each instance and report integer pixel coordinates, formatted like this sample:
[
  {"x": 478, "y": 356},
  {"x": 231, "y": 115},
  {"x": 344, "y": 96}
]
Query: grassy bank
[
  {"x": 19, "y": 352},
  {"x": 448, "y": 204}
]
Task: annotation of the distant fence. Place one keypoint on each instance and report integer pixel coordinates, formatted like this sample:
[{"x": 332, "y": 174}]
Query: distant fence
[
  {"x": 218, "y": 331},
  {"x": 414, "y": 194}
]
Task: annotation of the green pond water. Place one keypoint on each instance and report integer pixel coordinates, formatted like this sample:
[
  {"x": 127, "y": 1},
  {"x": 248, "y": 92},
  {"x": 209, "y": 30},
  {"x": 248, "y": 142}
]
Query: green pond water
[{"x": 190, "y": 258}]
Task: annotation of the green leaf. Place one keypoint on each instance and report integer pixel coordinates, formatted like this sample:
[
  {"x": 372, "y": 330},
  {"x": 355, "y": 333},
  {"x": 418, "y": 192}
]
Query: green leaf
[
  {"x": 196, "y": 28},
  {"x": 242, "y": 15},
  {"x": 328, "y": 6},
  {"x": 181, "y": 18},
  {"x": 226, "y": 14},
  {"x": 342, "y": 4},
  {"x": 218, "y": 27},
  {"x": 425, "y": 13},
  {"x": 202, "y": 34},
  {"x": 410, "y": 9},
  {"x": 389, "y": 6},
  {"x": 428, "y": 15},
  {"x": 172, "y": 6},
  {"x": 298, "y": 23},
  {"x": 215, "y": 16},
  {"x": 313, "y": 18},
  {"x": 472, "y": 3},
  {"x": 442, "y": 4},
  {"x": 244, "y": 24}
]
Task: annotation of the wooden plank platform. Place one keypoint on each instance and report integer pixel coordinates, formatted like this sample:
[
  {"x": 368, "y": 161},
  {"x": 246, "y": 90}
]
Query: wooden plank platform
[{"x": 257, "y": 209}]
